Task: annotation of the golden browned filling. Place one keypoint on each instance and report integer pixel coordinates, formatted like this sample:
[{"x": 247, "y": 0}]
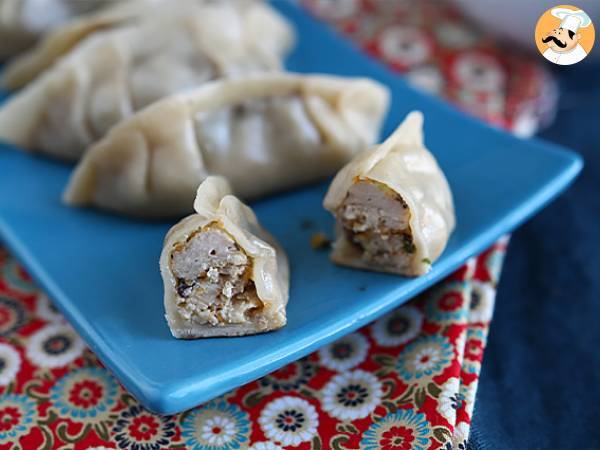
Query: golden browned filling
[
  {"x": 376, "y": 220},
  {"x": 213, "y": 279}
]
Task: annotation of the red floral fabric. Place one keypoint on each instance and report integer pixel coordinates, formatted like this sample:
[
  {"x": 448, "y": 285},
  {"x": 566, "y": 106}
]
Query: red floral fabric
[
  {"x": 406, "y": 381},
  {"x": 438, "y": 51}
]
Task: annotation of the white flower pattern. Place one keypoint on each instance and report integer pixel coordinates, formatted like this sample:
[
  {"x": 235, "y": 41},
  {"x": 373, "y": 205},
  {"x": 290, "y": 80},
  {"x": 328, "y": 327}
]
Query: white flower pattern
[
  {"x": 289, "y": 420},
  {"x": 216, "y": 425},
  {"x": 404, "y": 45},
  {"x": 345, "y": 353},
  {"x": 10, "y": 363},
  {"x": 460, "y": 436},
  {"x": 46, "y": 310},
  {"x": 55, "y": 345},
  {"x": 448, "y": 400},
  {"x": 352, "y": 395},
  {"x": 479, "y": 73},
  {"x": 483, "y": 297},
  {"x": 467, "y": 395},
  {"x": 426, "y": 359},
  {"x": 226, "y": 427},
  {"x": 397, "y": 327}
]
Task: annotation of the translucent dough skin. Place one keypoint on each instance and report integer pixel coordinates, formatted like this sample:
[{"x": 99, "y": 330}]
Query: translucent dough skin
[
  {"x": 404, "y": 165},
  {"x": 270, "y": 270},
  {"x": 263, "y": 132},
  {"x": 58, "y": 42},
  {"x": 22, "y": 22},
  {"x": 115, "y": 72}
]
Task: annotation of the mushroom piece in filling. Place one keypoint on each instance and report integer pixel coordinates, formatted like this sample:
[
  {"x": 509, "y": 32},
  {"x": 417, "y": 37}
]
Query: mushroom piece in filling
[
  {"x": 376, "y": 220},
  {"x": 213, "y": 279}
]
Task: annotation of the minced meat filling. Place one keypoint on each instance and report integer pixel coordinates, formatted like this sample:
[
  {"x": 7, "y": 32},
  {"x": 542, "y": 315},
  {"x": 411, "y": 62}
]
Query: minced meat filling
[
  {"x": 376, "y": 220},
  {"x": 213, "y": 279}
]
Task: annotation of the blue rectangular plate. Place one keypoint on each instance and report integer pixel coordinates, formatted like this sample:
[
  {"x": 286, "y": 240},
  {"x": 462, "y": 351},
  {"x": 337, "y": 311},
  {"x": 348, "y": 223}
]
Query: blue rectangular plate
[{"x": 102, "y": 271}]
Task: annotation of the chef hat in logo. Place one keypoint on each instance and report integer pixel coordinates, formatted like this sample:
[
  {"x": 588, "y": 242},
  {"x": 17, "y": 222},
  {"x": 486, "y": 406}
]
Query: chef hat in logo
[{"x": 572, "y": 20}]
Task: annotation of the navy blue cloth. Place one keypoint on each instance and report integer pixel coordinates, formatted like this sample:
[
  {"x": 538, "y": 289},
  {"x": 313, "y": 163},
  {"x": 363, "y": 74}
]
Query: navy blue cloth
[{"x": 540, "y": 380}]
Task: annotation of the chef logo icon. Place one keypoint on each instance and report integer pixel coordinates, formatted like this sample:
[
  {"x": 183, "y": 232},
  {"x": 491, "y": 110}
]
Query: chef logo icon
[{"x": 564, "y": 35}]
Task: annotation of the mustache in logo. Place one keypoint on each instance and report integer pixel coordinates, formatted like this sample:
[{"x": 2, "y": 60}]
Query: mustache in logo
[{"x": 556, "y": 41}]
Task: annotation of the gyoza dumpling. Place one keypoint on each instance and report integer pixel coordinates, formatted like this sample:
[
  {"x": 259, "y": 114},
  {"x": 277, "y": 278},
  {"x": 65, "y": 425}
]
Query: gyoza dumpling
[
  {"x": 264, "y": 133},
  {"x": 393, "y": 205},
  {"x": 26, "y": 67},
  {"x": 58, "y": 42},
  {"x": 23, "y": 21},
  {"x": 223, "y": 274},
  {"x": 114, "y": 73}
]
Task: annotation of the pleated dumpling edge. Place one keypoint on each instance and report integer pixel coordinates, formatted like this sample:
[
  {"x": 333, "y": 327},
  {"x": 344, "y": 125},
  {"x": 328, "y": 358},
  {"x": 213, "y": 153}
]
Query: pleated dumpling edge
[{"x": 393, "y": 205}]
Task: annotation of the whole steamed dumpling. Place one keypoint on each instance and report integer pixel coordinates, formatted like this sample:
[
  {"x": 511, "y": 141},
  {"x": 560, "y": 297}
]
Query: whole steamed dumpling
[
  {"x": 22, "y": 22},
  {"x": 115, "y": 72},
  {"x": 59, "y": 40},
  {"x": 264, "y": 133}
]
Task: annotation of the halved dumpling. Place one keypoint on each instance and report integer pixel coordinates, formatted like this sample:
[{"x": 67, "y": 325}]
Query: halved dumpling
[
  {"x": 393, "y": 206},
  {"x": 223, "y": 274}
]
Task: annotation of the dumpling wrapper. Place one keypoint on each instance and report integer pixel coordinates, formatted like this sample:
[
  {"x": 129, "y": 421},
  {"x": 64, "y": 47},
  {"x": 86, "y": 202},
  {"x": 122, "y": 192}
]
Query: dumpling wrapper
[
  {"x": 265, "y": 133},
  {"x": 115, "y": 72},
  {"x": 22, "y": 22},
  {"x": 393, "y": 205},
  {"x": 59, "y": 42},
  {"x": 223, "y": 274}
]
